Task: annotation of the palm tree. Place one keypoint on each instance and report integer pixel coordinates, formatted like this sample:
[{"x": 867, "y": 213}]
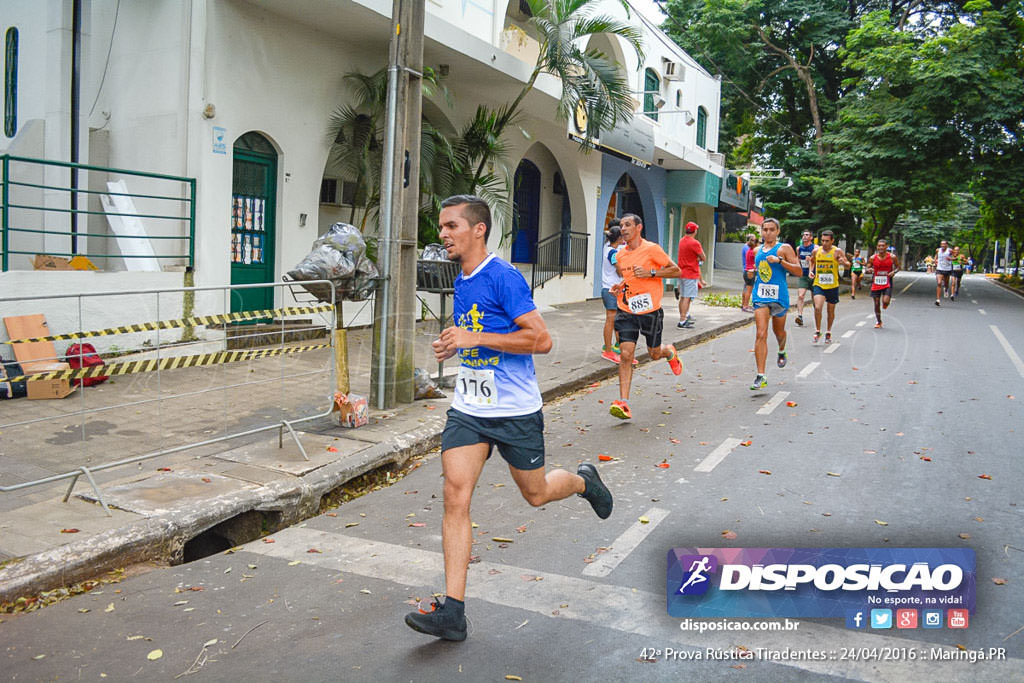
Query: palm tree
[
  {"x": 474, "y": 160},
  {"x": 588, "y": 76}
]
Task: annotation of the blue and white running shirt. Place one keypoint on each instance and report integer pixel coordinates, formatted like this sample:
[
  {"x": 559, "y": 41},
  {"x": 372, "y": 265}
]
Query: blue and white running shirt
[{"x": 494, "y": 383}]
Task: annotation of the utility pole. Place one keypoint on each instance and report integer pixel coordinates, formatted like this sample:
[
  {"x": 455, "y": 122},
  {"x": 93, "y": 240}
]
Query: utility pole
[{"x": 394, "y": 312}]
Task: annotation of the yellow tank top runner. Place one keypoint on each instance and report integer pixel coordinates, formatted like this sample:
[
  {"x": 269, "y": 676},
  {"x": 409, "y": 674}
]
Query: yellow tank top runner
[{"x": 826, "y": 269}]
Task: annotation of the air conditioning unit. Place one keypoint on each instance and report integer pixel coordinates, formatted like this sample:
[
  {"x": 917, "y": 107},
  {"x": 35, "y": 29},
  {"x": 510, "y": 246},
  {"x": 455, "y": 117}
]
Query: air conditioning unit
[{"x": 675, "y": 71}]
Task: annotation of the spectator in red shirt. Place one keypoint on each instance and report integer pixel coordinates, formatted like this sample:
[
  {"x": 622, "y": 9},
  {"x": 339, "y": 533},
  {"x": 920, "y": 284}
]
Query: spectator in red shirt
[{"x": 691, "y": 255}]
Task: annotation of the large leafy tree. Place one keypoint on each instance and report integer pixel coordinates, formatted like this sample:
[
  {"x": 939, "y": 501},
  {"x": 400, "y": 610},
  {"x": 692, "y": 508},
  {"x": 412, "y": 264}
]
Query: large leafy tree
[{"x": 902, "y": 102}]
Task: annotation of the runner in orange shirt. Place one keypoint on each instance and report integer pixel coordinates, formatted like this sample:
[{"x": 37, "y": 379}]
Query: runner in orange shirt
[{"x": 643, "y": 266}]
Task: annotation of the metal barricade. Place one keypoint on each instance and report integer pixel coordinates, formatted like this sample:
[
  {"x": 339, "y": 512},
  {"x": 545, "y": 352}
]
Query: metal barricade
[{"x": 178, "y": 380}]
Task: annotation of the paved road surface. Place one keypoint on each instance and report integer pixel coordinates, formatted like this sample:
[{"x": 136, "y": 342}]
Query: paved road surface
[{"x": 573, "y": 597}]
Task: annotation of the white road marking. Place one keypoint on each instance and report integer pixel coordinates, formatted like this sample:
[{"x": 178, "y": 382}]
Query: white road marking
[
  {"x": 982, "y": 311},
  {"x": 832, "y": 348},
  {"x": 908, "y": 286},
  {"x": 1017, "y": 362},
  {"x": 717, "y": 455},
  {"x": 808, "y": 369},
  {"x": 861, "y": 324},
  {"x": 974, "y": 301},
  {"x": 869, "y": 316},
  {"x": 682, "y": 480},
  {"x": 626, "y": 543},
  {"x": 772, "y": 403},
  {"x": 624, "y": 609},
  {"x": 850, "y": 333}
]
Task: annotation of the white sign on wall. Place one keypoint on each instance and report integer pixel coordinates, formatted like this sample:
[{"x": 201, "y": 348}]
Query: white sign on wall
[{"x": 220, "y": 146}]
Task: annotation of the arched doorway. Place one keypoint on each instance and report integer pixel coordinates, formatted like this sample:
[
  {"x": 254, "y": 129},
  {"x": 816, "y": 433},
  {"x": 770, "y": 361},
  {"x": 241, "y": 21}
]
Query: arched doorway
[
  {"x": 625, "y": 199},
  {"x": 253, "y": 207},
  {"x": 526, "y": 221}
]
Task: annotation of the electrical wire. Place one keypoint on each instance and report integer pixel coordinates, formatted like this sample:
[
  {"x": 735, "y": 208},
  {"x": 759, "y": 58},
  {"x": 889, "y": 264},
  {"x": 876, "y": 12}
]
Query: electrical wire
[{"x": 117, "y": 11}]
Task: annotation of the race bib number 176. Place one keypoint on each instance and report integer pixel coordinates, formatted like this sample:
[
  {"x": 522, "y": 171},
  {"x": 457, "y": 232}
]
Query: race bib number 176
[{"x": 477, "y": 386}]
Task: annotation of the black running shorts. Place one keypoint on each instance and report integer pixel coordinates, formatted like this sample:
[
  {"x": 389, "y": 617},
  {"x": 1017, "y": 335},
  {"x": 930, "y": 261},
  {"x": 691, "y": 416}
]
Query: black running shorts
[
  {"x": 631, "y": 325},
  {"x": 831, "y": 295},
  {"x": 520, "y": 439}
]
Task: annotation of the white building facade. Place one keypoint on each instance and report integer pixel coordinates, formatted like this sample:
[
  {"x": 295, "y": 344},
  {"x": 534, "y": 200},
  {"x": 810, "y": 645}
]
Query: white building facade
[{"x": 237, "y": 94}]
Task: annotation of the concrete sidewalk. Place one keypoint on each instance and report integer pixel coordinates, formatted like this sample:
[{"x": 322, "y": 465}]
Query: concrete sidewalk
[{"x": 245, "y": 486}]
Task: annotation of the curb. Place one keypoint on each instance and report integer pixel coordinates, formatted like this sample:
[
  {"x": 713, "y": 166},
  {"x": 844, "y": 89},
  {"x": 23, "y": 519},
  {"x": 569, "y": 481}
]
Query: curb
[
  {"x": 1006, "y": 287},
  {"x": 162, "y": 538}
]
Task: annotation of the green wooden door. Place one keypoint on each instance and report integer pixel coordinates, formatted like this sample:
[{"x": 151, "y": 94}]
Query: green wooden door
[{"x": 253, "y": 188}]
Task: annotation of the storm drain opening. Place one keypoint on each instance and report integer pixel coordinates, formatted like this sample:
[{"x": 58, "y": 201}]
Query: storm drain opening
[
  {"x": 242, "y": 528},
  {"x": 373, "y": 480}
]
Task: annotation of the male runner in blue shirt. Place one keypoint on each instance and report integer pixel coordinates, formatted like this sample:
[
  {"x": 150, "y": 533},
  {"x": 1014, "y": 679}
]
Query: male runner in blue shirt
[{"x": 497, "y": 401}]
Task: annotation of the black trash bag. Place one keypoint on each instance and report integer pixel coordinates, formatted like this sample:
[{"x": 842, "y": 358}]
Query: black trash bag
[
  {"x": 10, "y": 368},
  {"x": 338, "y": 255}
]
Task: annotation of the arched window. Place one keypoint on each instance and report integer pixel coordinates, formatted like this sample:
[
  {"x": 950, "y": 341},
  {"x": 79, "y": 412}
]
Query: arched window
[
  {"x": 652, "y": 87},
  {"x": 702, "y": 127}
]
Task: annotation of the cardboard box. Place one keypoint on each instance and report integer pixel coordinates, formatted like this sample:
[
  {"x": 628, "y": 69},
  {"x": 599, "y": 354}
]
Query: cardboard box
[
  {"x": 48, "y": 388},
  {"x": 47, "y": 262},
  {"x": 353, "y": 410}
]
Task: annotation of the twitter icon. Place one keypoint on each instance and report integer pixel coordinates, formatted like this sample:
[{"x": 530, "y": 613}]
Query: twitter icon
[{"x": 881, "y": 618}]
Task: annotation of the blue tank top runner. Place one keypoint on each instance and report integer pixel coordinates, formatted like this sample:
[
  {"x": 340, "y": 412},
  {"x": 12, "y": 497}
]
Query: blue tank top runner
[
  {"x": 804, "y": 254},
  {"x": 770, "y": 283}
]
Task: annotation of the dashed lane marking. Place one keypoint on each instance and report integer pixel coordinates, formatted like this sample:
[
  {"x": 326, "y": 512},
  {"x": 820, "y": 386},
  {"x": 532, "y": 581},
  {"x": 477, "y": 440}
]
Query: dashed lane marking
[
  {"x": 906, "y": 288},
  {"x": 1014, "y": 358},
  {"x": 626, "y": 543},
  {"x": 861, "y": 323},
  {"x": 832, "y": 348},
  {"x": 600, "y": 604},
  {"x": 982, "y": 311},
  {"x": 717, "y": 455},
  {"x": 772, "y": 403},
  {"x": 850, "y": 333},
  {"x": 808, "y": 369}
]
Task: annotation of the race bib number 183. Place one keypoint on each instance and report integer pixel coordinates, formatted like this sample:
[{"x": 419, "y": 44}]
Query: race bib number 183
[
  {"x": 767, "y": 291},
  {"x": 477, "y": 386}
]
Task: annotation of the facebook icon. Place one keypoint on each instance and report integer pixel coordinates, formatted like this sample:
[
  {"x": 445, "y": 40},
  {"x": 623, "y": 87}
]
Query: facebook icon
[{"x": 856, "y": 619}]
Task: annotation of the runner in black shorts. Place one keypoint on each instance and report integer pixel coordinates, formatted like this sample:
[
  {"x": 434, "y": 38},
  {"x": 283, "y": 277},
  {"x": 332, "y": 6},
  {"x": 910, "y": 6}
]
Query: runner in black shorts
[
  {"x": 643, "y": 266},
  {"x": 497, "y": 402}
]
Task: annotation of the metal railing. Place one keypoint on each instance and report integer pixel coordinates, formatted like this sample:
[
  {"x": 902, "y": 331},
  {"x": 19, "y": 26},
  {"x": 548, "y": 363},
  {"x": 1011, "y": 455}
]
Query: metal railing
[
  {"x": 173, "y": 392},
  {"x": 39, "y": 207},
  {"x": 561, "y": 253}
]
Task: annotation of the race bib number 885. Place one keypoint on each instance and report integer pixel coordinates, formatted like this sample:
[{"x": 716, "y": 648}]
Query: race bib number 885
[
  {"x": 477, "y": 386},
  {"x": 641, "y": 303}
]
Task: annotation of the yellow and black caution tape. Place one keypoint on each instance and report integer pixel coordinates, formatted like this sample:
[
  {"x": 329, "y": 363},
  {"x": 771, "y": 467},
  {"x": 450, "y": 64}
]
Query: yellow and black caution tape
[
  {"x": 138, "y": 366},
  {"x": 181, "y": 322}
]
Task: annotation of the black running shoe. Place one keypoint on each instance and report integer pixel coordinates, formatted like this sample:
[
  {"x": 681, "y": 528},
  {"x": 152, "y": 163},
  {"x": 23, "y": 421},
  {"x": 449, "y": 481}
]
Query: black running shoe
[
  {"x": 444, "y": 624},
  {"x": 596, "y": 493}
]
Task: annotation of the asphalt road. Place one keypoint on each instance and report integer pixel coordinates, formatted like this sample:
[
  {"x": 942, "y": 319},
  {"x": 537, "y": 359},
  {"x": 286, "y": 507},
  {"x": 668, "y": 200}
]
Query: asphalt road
[{"x": 884, "y": 446}]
